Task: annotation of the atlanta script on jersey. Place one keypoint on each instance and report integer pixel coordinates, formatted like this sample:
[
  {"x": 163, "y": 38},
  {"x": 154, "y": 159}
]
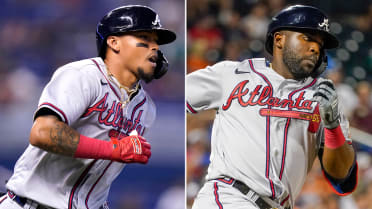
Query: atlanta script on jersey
[
  {"x": 84, "y": 98},
  {"x": 267, "y": 130}
]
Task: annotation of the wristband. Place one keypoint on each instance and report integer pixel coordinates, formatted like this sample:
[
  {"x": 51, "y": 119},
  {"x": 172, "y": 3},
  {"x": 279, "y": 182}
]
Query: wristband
[
  {"x": 333, "y": 138},
  {"x": 93, "y": 148}
]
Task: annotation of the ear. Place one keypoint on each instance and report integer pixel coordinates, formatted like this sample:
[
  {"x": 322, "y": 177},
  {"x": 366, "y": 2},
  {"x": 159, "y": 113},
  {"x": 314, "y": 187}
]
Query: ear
[
  {"x": 113, "y": 43},
  {"x": 279, "y": 40}
]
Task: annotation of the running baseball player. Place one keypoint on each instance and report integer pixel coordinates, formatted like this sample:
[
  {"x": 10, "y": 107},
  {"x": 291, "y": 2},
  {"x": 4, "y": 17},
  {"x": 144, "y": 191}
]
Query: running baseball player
[
  {"x": 273, "y": 119},
  {"x": 92, "y": 116}
]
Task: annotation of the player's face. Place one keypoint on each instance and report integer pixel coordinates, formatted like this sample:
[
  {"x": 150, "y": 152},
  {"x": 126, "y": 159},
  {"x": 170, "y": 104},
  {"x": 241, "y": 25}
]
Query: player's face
[
  {"x": 140, "y": 53},
  {"x": 301, "y": 52}
]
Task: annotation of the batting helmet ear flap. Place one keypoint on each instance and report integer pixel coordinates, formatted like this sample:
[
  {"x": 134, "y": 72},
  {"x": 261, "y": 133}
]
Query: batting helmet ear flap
[
  {"x": 321, "y": 65},
  {"x": 161, "y": 65}
]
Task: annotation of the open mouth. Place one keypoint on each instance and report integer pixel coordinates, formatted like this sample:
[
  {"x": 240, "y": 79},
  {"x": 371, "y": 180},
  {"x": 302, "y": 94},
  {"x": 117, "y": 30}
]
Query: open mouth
[{"x": 153, "y": 58}]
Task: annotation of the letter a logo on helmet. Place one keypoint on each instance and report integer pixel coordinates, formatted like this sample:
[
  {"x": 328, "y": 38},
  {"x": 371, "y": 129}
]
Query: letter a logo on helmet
[
  {"x": 156, "y": 22},
  {"x": 324, "y": 25}
]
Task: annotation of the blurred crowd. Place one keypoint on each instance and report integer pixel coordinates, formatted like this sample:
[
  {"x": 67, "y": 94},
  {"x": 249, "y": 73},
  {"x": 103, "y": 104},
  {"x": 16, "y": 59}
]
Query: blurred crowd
[{"x": 236, "y": 30}]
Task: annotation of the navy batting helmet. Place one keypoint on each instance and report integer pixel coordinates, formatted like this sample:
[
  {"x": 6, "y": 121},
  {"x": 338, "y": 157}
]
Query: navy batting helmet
[
  {"x": 300, "y": 18},
  {"x": 130, "y": 18}
]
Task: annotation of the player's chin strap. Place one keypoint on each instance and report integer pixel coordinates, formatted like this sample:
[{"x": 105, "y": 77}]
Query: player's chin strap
[
  {"x": 321, "y": 65},
  {"x": 161, "y": 65}
]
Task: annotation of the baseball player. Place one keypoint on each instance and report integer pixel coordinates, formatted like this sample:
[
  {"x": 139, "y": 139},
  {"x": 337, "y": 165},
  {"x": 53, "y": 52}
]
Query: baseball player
[
  {"x": 273, "y": 119},
  {"x": 92, "y": 116}
]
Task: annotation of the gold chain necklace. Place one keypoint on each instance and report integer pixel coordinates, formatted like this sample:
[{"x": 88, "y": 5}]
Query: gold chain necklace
[{"x": 129, "y": 91}]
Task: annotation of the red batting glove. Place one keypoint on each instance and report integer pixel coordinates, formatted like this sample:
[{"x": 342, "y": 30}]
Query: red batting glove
[{"x": 131, "y": 149}]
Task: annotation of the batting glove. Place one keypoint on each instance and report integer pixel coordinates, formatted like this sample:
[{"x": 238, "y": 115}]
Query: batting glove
[
  {"x": 328, "y": 104},
  {"x": 131, "y": 149}
]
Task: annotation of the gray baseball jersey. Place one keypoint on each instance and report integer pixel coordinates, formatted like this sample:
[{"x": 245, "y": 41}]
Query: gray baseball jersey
[
  {"x": 267, "y": 129},
  {"x": 85, "y": 99}
]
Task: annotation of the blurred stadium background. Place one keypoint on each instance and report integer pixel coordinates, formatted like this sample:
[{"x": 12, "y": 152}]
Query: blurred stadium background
[
  {"x": 236, "y": 30},
  {"x": 36, "y": 37}
]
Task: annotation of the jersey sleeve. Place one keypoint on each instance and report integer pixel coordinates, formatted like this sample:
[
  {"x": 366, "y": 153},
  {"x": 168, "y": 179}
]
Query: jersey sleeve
[
  {"x": 68, "y": 94},
  {"x": 347, "y": 185},
  {"x": 204, "y": 87}
]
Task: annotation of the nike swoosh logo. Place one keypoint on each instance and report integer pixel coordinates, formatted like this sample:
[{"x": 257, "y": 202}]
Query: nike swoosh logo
[
  {"x": 240, "y": 72},
  {"x": 103, "y": 83}
]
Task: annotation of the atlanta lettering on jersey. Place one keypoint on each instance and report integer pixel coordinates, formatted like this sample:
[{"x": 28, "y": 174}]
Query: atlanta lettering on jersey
[
  {"x": 114, "y": 115},
  {"x": 261, "y": 96}
]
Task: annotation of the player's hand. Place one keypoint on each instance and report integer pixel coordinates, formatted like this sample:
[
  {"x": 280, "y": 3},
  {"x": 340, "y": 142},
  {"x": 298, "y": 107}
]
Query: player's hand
[
  {"x": 328, "y": 104},
  {"x": 131, "y": 149}
]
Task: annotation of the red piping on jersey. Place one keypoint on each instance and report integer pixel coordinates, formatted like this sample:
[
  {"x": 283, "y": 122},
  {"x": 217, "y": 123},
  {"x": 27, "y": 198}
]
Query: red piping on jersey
[
  {"x": 190, "y": 108},
  {"x": 78, "y": 182},
  {"x": 267, "y": 172},
  {"x": 3, "y": 199},
  {"x": 216, "y": 196},
  {"x": 284, "y": 147},
  {"x": 108, "y": 81},
  {"x": 287, "y": 127},
  {"x": 56, "y": 108},
  {"x": 347, "y": 193},
  {"x": 95, "y": 183},
  {"x": 135, "y": 122},
  {"x": 136, "y": 107},
  {"x": 226, "y": 181},
  {"x": 285, "y": 200}
]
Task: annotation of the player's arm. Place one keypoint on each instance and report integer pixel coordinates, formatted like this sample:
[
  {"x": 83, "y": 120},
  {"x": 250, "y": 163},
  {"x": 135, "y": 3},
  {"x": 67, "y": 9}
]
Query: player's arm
[
  {"x": 51, "y": 134},
  {"x": 204, "y": 87},
  {"x": 337, "y": 161},
  {"x": 338, "y": 156}
]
